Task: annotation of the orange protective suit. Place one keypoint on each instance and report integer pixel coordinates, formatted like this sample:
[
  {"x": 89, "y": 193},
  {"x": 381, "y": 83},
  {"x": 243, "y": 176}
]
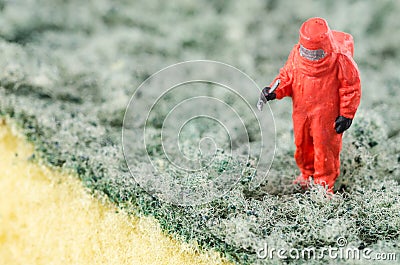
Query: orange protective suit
[{"x": 321, "y": 90}]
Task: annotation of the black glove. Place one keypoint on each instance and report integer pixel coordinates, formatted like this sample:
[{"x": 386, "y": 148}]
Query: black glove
[
  {"x": 342, "y": 124},
  {"x": 266, "y": 96}
]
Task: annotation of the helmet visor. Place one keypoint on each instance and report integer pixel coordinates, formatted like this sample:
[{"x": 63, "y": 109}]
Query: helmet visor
[{"x": 312, "y": 55}]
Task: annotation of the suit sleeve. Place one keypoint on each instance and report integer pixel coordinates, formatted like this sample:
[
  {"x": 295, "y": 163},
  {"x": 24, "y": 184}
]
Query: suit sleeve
[
  {"x": 286, "y": 77},
  {"x": 350, "y": 86}
]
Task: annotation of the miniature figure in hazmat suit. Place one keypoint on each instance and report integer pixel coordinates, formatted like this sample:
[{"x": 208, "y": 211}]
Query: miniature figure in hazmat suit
[{"x": 323, "y": 81}]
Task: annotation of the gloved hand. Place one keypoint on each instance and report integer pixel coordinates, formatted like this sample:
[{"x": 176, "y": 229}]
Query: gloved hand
[
  {"x": 342, "y": 124},
  {"x": 266, "y": 96}
]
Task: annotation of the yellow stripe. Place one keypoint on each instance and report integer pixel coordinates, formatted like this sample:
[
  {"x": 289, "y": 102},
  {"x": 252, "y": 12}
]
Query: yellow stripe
[{"x": 47, "y": 217}]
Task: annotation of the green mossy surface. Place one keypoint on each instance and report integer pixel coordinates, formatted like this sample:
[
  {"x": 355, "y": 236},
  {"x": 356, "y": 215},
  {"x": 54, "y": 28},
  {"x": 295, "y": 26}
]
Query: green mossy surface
[{"x": 69, "y": 68}]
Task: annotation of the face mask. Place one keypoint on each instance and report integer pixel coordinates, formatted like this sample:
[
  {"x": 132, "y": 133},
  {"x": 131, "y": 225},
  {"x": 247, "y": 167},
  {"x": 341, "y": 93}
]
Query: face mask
[{"x": 312, "y": 55}]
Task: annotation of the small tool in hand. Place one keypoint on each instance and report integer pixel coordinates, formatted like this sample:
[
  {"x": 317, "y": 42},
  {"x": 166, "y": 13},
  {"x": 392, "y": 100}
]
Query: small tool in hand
[{"x": 262, "y": 100}]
